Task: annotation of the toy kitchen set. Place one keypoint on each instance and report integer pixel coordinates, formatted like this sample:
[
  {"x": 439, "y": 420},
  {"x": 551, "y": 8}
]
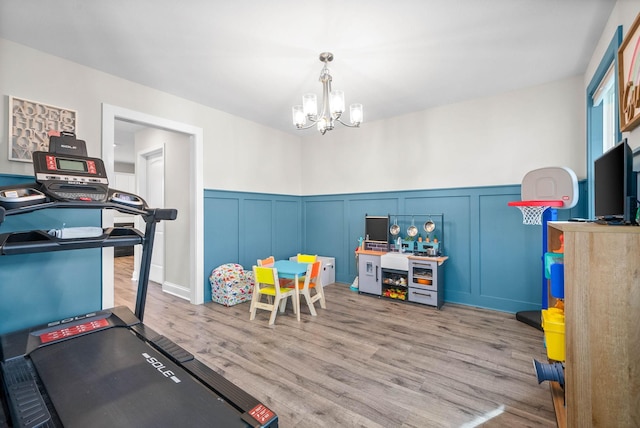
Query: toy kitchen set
[{"x": 403, "y": 260}]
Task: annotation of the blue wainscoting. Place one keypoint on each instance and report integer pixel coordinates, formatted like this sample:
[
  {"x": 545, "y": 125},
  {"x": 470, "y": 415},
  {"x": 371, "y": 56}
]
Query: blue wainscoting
[
  {"x": 38, "y": 288},
  {"x": 243, "y": 227},
  {"x": 495, "y": 261}
]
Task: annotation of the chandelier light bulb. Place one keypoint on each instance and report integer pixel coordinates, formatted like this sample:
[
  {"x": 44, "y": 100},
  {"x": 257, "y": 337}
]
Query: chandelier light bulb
[
  {"x": 310, "y": 105},
  {"x": 299, "y": 118},
  {"x": 336, "y": 103},
  {"x": 357, "y": 114},
  {"x": 322, "y": 125}
]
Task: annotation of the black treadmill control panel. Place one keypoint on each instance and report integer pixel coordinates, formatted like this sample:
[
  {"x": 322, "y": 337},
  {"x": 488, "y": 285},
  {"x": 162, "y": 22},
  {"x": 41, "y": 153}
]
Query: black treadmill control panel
[{"x": 71, "y": 177}]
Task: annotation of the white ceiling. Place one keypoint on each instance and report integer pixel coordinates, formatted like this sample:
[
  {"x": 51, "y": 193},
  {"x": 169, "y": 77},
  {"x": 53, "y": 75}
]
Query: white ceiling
[{"x": 255, "y": 58}]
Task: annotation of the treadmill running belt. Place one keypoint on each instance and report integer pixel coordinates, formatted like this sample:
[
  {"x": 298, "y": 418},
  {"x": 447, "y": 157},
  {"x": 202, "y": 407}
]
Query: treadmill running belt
[{"x": 111, "y": 378}]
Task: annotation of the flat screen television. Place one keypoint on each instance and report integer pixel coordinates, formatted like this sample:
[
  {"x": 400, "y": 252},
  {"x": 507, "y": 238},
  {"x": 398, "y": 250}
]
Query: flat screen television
[
  {"x": 615, "y": 185},
  {"x": 376, "y": 228}
]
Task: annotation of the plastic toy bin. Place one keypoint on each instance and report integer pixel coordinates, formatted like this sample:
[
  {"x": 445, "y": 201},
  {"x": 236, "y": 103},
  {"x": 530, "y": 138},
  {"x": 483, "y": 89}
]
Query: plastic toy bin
[
  {"x": 554, "y": 272},
  {"x": 557, "y": 280},
  {"x": 553, "y": 326}
]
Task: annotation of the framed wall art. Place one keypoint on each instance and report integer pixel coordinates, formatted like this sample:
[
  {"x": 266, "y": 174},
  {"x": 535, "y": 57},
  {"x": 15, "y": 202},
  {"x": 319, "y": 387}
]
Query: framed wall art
[
  {"x": 30, "y": 123},
  {"x": 629, "y": 78}
]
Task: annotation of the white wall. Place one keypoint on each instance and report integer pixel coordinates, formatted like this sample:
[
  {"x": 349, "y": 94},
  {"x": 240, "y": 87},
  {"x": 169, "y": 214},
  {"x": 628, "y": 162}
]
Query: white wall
[
  {"x": 240, "y": 155},
  {"x": 481, "y": 142}
]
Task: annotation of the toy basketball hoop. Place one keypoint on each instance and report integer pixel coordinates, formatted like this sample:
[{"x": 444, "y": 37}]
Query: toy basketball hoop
[
  {"x": 545, "y": 189},
  {"x": 553, "y": 187},
  {"x": 532, "y": 210}
]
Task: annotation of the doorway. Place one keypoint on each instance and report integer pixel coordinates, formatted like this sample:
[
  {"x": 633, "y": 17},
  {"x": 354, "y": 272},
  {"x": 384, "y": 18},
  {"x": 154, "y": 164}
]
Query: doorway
[{"x": 195, "y": 189}]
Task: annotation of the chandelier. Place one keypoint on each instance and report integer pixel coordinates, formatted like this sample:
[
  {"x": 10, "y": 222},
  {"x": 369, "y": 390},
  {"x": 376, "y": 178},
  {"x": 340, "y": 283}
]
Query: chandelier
[{"x": 332, "y": 105}]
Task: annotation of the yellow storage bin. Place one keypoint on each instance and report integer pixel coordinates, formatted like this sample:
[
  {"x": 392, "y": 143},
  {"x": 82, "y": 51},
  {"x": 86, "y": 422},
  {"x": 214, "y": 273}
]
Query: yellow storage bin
[{"x": 553, "y": 326}]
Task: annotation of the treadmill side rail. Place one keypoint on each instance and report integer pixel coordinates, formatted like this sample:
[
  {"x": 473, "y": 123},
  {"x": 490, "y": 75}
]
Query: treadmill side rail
[{"x": 27, "y": 404}]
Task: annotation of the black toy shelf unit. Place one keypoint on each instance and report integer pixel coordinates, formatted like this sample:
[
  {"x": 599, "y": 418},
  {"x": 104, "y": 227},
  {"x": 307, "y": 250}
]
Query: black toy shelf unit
[{"x": 105, "y": 368}]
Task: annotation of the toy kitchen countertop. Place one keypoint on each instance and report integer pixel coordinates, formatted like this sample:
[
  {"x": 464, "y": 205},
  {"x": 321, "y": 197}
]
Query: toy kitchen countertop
[
  {"x": 401, "y": 261},
  {"x": 439, "y": 259},
  {"x": 371, "y": 252},
  {"x": 409, "y": 256}
]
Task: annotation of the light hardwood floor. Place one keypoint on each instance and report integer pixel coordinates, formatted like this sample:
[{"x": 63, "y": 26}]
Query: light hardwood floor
[{"x": 364, "y": 361}]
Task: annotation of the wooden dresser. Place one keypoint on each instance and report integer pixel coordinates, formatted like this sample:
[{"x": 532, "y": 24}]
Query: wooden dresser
[{"x": 602, "y": 323}]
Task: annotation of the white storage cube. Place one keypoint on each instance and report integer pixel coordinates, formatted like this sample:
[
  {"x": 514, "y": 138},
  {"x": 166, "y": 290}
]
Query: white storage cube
[{"x": 328, "y": 275}]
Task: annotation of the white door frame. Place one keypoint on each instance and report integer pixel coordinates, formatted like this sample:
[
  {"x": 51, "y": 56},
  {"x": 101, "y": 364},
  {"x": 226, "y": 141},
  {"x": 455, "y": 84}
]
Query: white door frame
[{"x": 196, "y": 257}]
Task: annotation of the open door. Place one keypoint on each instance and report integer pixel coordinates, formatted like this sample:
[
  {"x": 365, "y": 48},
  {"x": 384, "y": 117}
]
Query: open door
[{"x": 150, "y": 176}]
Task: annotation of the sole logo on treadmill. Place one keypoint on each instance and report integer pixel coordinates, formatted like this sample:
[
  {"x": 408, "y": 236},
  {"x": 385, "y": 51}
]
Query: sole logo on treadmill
[{"x": 158, "y": 365}]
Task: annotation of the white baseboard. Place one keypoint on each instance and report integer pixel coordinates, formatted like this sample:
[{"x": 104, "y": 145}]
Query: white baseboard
[{"x": 177, "y": 290}]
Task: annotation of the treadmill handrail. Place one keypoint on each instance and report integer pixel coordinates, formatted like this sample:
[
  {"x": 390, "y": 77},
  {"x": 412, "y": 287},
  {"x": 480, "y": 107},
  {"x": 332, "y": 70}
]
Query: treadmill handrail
[
  {"x": 40, "y": 241},
  {"x": 159, "y": 213}
]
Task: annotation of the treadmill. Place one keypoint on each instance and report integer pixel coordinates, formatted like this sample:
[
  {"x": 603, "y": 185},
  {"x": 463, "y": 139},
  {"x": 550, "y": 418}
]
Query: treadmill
[{"x": 105, "y": 368}]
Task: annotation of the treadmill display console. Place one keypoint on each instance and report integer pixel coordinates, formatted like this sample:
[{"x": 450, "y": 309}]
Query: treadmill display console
[
  {"x": 65, "y": 333},
  {"x": 71, "y": 177}
]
